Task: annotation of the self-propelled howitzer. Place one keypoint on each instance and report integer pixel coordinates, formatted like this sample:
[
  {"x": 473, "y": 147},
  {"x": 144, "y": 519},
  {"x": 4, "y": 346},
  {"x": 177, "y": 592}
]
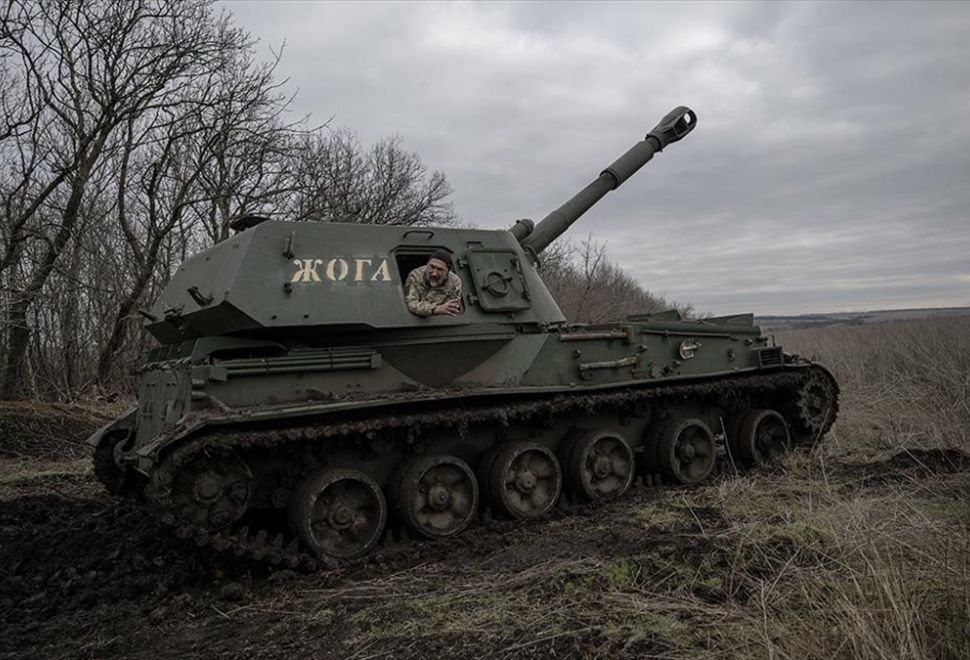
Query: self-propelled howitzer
[{"x": 295, "y": 410}]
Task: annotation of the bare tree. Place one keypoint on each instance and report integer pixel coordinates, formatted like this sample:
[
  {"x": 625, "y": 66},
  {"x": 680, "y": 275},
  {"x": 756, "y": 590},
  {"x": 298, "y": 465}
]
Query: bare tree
[
  {"x": 337, "y": 179},
  {"x": 95, "y": 65},
  {"x": 222, "y": 152},
  {"x": 591, "y": 289},
  {"x": 246, "y": 144},
  {"x": 132, "y": 133}
]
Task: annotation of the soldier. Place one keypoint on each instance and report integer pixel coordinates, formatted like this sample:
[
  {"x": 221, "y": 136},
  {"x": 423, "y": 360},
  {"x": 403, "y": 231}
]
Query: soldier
[{"x": 432, "y": 289}]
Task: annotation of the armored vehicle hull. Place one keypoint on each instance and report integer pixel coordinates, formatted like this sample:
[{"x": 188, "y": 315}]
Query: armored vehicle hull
[{"x": 296, "y": 410}]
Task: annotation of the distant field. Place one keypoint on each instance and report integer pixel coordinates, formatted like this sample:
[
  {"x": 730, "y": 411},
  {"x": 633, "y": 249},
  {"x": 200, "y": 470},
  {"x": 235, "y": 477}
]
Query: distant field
[
  {"x": 856, "y": 548},
  {"x": 858, "y": 318},
  {"x": 905, "y": 384}
]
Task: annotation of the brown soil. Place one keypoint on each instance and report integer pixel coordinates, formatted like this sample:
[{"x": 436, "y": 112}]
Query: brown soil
[
  {"x": 86, "y": 575},
  {"x": 33, "y": 429},
  {"x": 664, "y": 572}
]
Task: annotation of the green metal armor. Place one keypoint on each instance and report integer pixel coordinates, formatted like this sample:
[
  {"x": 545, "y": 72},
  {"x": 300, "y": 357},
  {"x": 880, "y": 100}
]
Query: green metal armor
[{"x": 296, "y": 408}]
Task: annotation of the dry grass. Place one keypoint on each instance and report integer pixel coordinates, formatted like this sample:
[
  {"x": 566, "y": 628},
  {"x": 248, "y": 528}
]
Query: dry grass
[
  {"x": 49, "y": 431},
  {"x": 783, "y": 564},
  {"x": 843, "y": 552},
  {"x": 842, "y": 570},
  {"x": 898, "y": 580},
  {"x": 904, "y": 385},
  {"x": 19, "y": 476},
  {"x": 857, "y": 549}
]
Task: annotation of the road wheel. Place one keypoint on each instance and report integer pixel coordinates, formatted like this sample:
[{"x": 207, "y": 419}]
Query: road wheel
[
  {"x": 762, "y": 437},
  {"x": 685, "y": 451},
  {"x": 524, "y": 480},
  {"x": 338, "y": 513},
  {"x": 436, "y": 496},
  {"x": 597, "y": 465}
]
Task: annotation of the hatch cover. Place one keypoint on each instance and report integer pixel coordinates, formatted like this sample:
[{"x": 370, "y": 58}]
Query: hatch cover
[{"x": 499, "y": 280}]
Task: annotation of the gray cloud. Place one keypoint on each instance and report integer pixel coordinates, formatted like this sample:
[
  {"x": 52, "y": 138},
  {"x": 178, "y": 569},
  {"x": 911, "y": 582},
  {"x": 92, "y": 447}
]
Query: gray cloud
[{"x": 829, "y": 170}]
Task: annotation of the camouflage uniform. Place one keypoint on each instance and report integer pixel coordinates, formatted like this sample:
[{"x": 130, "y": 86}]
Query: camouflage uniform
[{"x": 422, "y": 298}]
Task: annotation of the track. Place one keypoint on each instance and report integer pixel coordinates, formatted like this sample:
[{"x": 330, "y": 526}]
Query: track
[{"x": 811, "y": 392}]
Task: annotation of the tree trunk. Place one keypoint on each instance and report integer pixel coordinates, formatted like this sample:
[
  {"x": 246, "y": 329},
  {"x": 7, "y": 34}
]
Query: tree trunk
[
  {"x": 17, "y": 340},
  {"x": 119, "y": 331},
  {"x": 14, "y": 379}
]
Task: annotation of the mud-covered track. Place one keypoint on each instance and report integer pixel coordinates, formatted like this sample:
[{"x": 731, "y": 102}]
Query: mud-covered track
[{"x": 404, "y": 424}]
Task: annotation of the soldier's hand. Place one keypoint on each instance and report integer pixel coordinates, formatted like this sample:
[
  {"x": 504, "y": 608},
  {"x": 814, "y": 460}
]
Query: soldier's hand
[{"x": 450, "y": 308}]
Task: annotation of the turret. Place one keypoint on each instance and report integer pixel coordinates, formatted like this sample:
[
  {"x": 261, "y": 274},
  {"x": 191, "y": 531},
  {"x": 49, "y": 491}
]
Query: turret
[
  {"x": 679, "y": 122},
  {"x": 287, "y": 280}
]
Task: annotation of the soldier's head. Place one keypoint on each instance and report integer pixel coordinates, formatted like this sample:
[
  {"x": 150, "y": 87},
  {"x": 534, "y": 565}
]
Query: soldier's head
[{"x": 439, "y": 263}]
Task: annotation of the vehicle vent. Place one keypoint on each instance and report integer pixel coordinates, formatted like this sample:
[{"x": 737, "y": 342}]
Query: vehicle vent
[
  {"x": 770, "y": 357},
  {"x": 307, "y": 360}
]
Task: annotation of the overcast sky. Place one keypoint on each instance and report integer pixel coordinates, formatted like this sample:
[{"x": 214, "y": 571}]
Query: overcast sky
[{"x": 829, "y": 171}]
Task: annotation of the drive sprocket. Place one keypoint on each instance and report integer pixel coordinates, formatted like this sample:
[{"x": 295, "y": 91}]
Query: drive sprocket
[{"x": 816, "y": 405}]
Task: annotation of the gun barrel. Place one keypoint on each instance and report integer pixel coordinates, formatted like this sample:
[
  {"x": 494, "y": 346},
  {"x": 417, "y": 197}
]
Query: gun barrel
[{"x": 679, "y": 122}]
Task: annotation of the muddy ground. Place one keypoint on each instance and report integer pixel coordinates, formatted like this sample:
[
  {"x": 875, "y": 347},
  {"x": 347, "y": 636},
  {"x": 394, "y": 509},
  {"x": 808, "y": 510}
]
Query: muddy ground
[{"x": 717, "y": 571}]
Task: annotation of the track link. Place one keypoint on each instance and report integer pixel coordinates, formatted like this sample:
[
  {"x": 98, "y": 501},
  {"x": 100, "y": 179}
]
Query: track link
[{"x": 282, "y": 549}]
